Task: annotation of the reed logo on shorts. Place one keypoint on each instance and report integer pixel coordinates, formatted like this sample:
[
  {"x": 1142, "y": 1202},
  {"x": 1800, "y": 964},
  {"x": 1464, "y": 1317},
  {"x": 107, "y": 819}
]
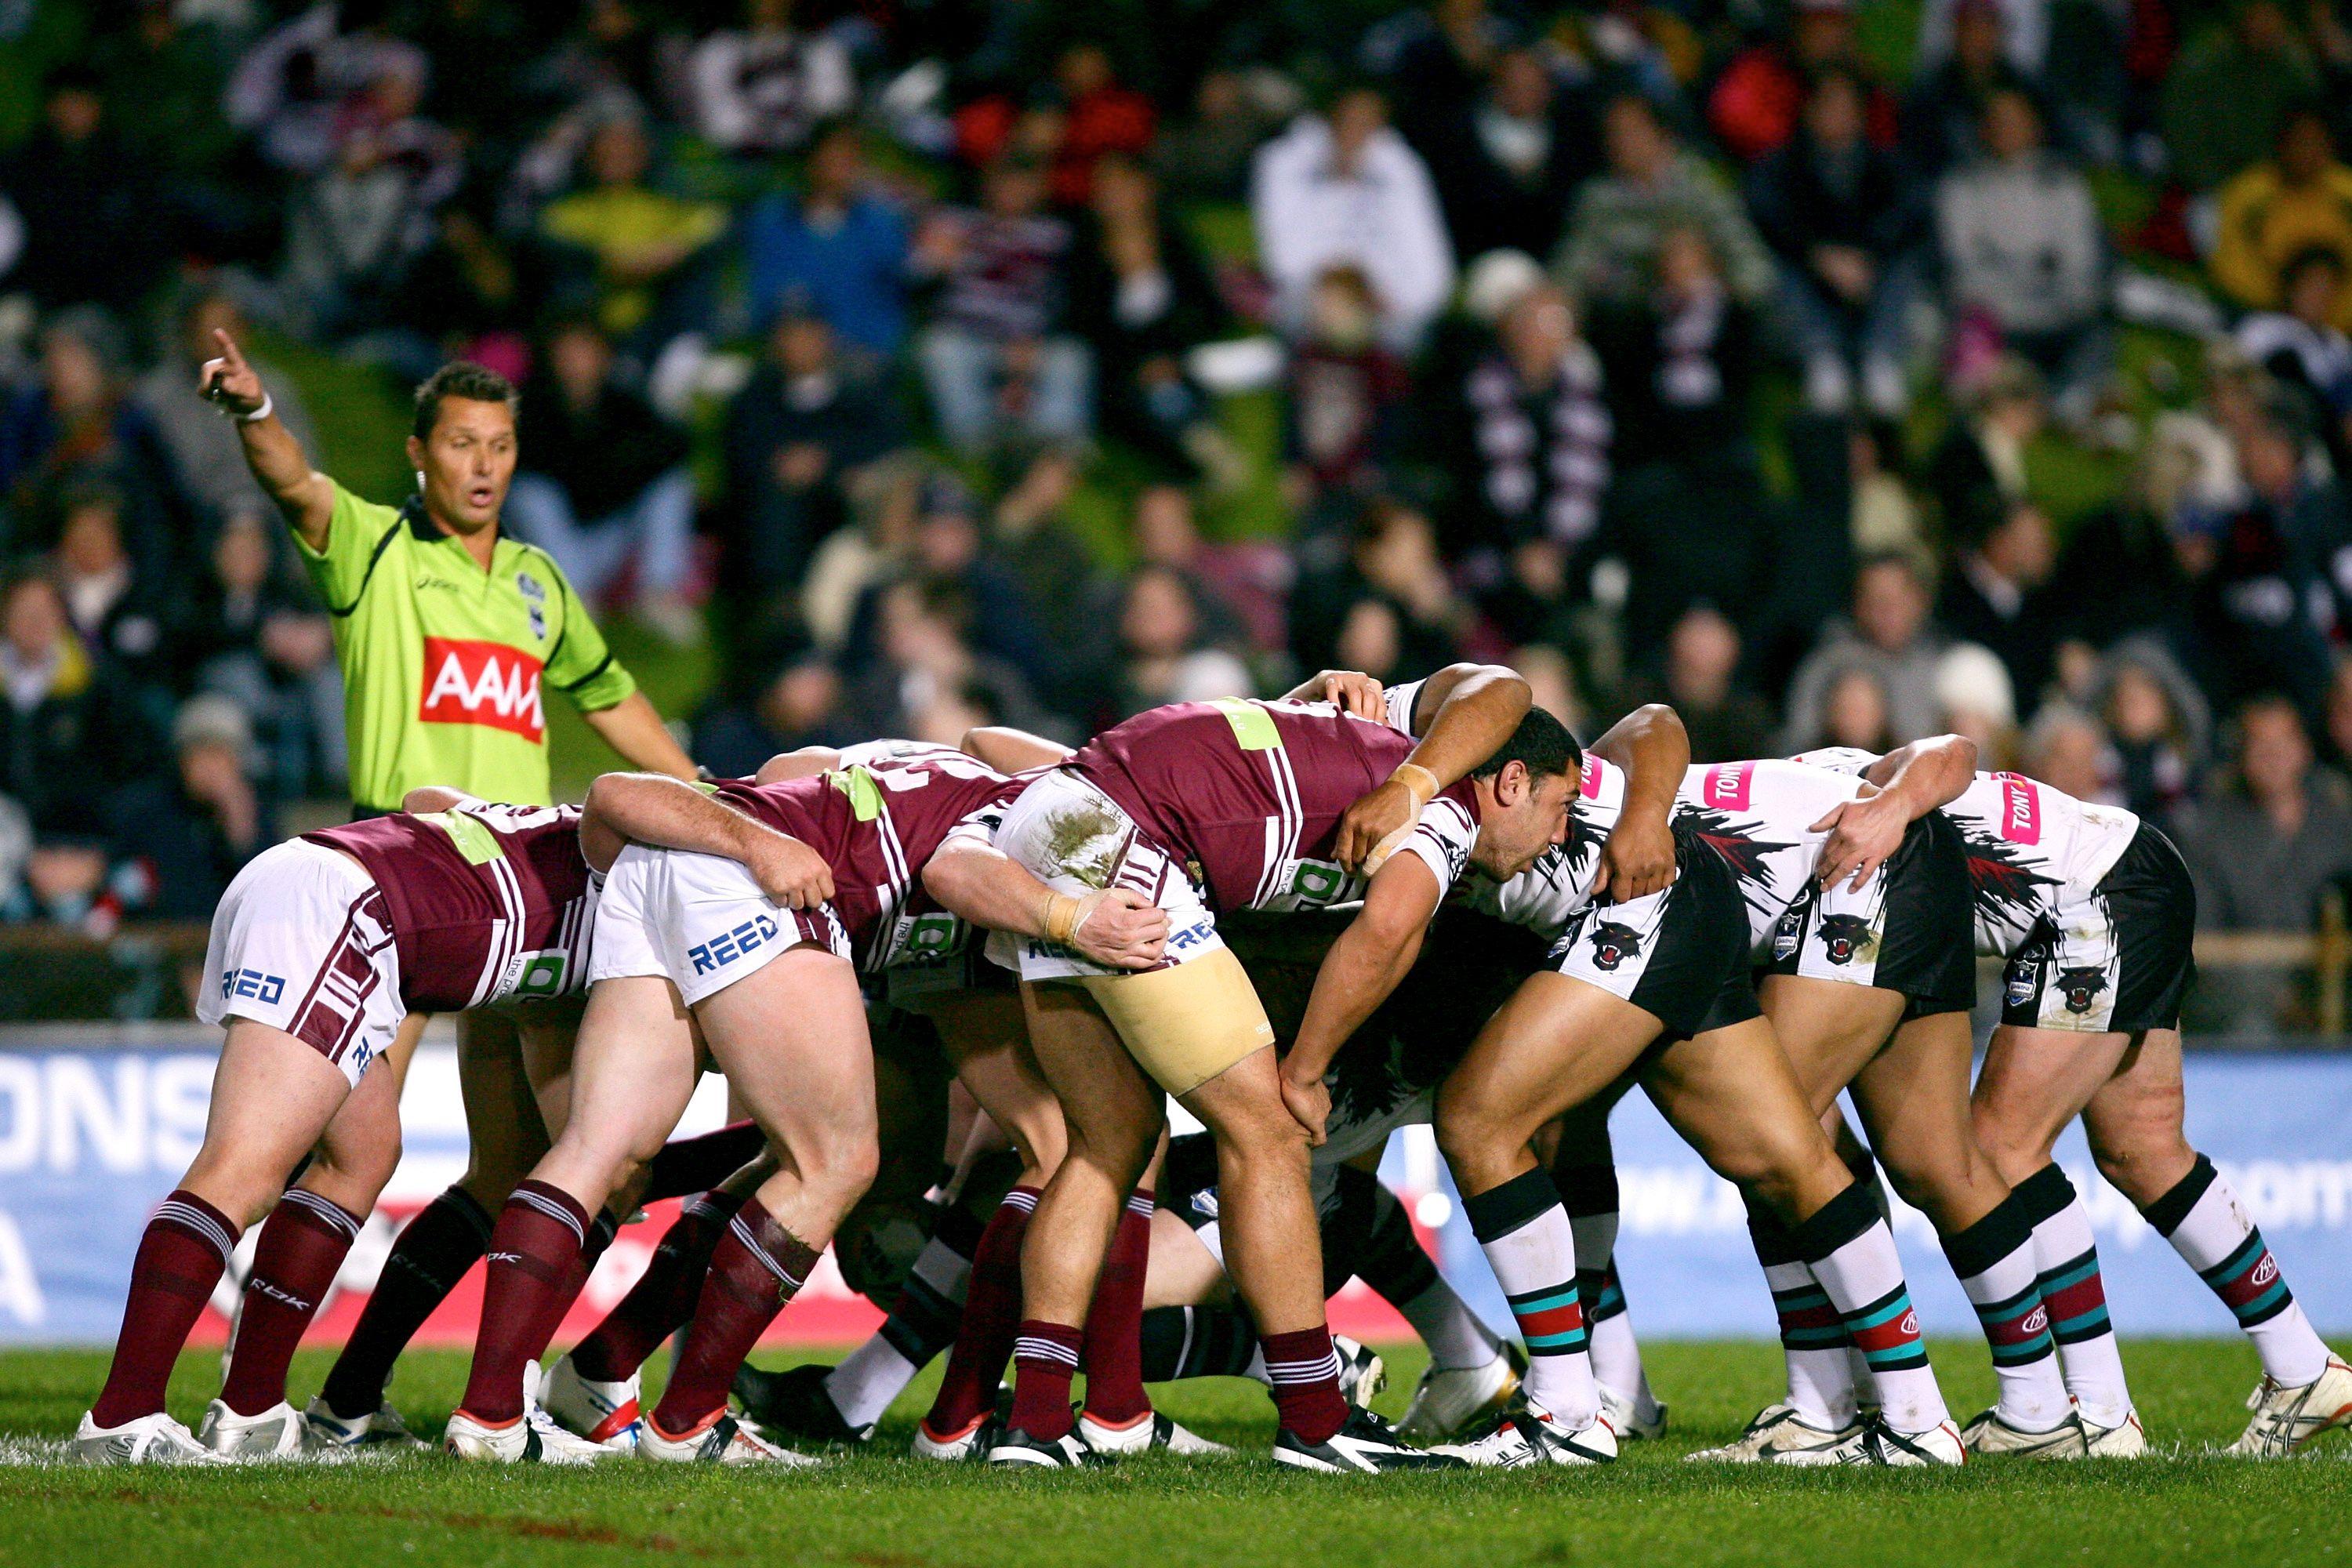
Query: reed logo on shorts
[
  {"x": 728, "y": 946},
  {"x": 265, "y": 989}
]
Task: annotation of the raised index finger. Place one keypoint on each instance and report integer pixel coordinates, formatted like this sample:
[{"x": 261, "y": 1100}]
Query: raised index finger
[{"x": 228, "y": 348}]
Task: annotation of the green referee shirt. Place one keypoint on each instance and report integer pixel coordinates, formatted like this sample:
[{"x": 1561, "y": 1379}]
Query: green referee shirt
[{"x": 443, "y": 663}]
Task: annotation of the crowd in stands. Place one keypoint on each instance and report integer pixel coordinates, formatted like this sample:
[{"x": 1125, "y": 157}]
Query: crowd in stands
[{"x": 1838, "y": 373}]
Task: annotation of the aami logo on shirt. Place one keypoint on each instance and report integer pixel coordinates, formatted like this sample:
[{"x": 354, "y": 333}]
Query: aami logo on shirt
[
  {"x": 2021, "y": 809},
  {"x": 1727, "y": 785},
  {"x": 469, "y": 682}
]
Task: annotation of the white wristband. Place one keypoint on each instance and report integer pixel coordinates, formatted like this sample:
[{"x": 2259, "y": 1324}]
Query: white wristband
[{"x": 258, "y": 415}]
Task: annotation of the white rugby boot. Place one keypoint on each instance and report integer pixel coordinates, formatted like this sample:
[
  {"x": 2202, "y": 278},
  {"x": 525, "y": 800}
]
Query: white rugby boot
[
  {"x": 1528, "y": 1436},
  {"x": 1365, "y": 1445},
  {"x": 1448, "y": 1399},
  {"x": 1879, "y": 1444},
  {"x": 1626, "y": 1417},
  {"x": 967, "y": 1447},
  {"x": 275, "y": 1434},
  {"x": 2123, "y": 1440},
  {"x": 1362, "y": 1374},
  {"x": 1158, "y": 1432},
  {"x": 2287, "y": 1418},
  {"x": 1013, "y": 1450},
  {"x": 1776, "y": 1430},
  {"x": 723, "y": 1439},
  {"x": 379, "y": 1431},
  {"x": 533, "y": 1438},
  {"x": 603, "y": 1413},
  {"x": 155, "y": 1439},
  {"x": 1990, "y": 1433}
]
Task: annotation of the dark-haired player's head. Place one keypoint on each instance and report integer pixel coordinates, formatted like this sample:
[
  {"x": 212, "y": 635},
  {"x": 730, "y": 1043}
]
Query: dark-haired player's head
[
  {"x": 1524, "y": 791},
  {"x": 463, "y": 445}
]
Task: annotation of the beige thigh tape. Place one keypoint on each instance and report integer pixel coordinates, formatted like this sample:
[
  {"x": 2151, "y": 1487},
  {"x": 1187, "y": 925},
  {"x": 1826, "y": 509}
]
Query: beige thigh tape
[{"x": 1187, "y": 1024}]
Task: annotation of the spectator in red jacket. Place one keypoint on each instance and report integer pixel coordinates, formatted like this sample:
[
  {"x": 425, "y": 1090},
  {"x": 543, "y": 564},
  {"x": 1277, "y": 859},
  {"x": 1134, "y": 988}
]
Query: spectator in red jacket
[{"x": 1754, "y": 107}]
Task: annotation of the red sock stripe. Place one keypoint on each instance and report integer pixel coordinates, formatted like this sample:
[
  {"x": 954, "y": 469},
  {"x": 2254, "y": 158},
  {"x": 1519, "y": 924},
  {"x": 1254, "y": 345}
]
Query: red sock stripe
[{"x": 1562, "y": 1320}]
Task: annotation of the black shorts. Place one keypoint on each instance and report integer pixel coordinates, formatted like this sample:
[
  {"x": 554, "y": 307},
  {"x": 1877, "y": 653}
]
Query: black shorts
[
  {"x": 1188, "y": 1188},
  {"x": 1910, "y": 931},
  {"x": 2118, "y": 962},
  {"x": 1680, "y": 955}
]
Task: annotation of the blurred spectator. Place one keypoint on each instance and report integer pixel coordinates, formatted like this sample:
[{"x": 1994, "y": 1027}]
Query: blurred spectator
[
  {"x": 74, "y": 425},
  {"x": 924, "y": 658},
  {"x": 793, "y": 440},
  {"x": 2339, "y": 721},
  {"x": 2024, "y": 255},
  {"x": 602, "y": 483},
  {"x": 1653, "y": 185},
  {"x": 633, "y": 247},
  {"x": 2301, "y": 344},
  {"x": 164, "y": 75},
  {"x": 1978, "y": 467},
  {"x": 1889, "y": 639},
  {"x": 2262, "y": 847},
  {"x": 1853, "y": 711},
  {"x": 352, "y": 231},
  {"x": 1140, "y": 295},
  {"x": 1944, "y": 115},
  {"x": 2067, "y": 749},
  {"x": 82, "y": 219},
  {"x": 1530, "y": 438},
  {"x": 252, "y": 635},
  {"x": 1998, "y": 592},
  {"x": 760, "y": 87},
  {"x": 836, "y": 250},
  {"x": 788, "y": 697},
  {"x": 1344, "y": 190},
  {"x": 1435, "y": 57},
  {"x": 1755, "y": 105},
  {"x": 2280, "y": 210},
  {"x": 117, "y": 612},
  {"x": 69, "y": 721},
  {"x": 1843, "y": 217},
  {"x": 995, "y": 358},
  {"x": 207, "y": 458},
  {"x": 1238, "y": 588},
  {"x": 302, "y": 86},
  {"x": 2229, "y": 91},
  {"x": 1507, "y": 164},
  {"x": 182, "y": 836},
  {"x": 2159, "y": 722},
  {"x": 1346, "y": 391},
  {"x": 2121, "y": 568},
  {"x": 1728, "y": 721},
  {"x": 1389, "y": 558},
  {"x": 1206, "y": 158},
  {"x": 1100, "y": 118},
  {"x": 1164, "y": 657},
  {"x": 1979, "y": 701}
]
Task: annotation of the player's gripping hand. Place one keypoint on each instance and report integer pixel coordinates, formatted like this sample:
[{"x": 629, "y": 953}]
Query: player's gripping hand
[
  {"x": 1309, "y": 1104},
  {"x": 1371, "y": 830},
  {"x": 229, "y": 382},
  {"x": 790, "y": 872},
  {"x": 1120, "y": 928},
  {"x": 1637, "y": 859},
  {"x": 1862, "y": 834},
  {"x": 1353, "y": 691}
]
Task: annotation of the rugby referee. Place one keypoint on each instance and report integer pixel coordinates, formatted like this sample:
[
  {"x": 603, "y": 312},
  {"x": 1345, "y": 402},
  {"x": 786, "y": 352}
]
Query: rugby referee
[{"x": 445, "y": 630}]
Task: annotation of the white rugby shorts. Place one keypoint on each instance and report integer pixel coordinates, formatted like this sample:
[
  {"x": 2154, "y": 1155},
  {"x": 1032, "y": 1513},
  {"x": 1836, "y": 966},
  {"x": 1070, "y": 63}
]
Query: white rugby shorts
[
  {"x": 698, "y": 921},
  {"x": 1076, "y": 839}
]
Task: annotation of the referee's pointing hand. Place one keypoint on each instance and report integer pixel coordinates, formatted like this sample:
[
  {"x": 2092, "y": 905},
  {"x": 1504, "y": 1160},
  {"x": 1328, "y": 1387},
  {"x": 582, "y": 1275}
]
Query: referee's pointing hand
[{"x": 229, "y": 381}]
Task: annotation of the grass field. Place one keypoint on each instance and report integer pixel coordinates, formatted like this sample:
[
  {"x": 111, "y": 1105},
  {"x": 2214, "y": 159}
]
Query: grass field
[{"x": 881, "y": 1511}]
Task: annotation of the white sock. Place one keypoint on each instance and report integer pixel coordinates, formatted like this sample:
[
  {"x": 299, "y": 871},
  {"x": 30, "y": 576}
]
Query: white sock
[
  {"x": 1813, "y": 1342},
  {"x": 1616, "y": 1354},
  {"x": 871, "y": 1377},
  {"x": 1851, "y": 1253},
  {"x": 1994, "y": 1260},
  {"x": 1449, "y": 1327},
  {"x": 2076, "y": 1298},
  {"x": 1529, "y": 1243},
  {"x": 2210, "y": 1230}
]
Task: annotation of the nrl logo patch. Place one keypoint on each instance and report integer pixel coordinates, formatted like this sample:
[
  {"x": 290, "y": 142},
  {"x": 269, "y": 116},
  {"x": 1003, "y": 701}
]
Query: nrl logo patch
[{"x": 1786, "y": 935}]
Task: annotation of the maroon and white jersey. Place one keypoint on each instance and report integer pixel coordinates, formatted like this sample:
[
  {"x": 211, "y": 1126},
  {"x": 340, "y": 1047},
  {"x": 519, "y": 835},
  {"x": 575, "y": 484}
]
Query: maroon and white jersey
[
  {"x": 1758, "y": 817},
  {"x": 2032, "y": 850},
  {"x": 1248, "y": 795},
  {"x": 877, "y": 822},
  {"x": 487, "y": 903}
]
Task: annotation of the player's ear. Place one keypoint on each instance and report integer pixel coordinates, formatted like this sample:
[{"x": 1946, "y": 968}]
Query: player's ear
[
  {"x": 416, "y": 460},
  {"x": 1513, "y": 784}
]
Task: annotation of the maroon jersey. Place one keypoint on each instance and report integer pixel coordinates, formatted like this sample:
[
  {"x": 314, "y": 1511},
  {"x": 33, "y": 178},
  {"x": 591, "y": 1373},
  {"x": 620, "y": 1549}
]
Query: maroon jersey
[
  {"x": 1251, "y": 794},
  {"x": 878, "y": 823},
  {"x": 487, "y": 903}
]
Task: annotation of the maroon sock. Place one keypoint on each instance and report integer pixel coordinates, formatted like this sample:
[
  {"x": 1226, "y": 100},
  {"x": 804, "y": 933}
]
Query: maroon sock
[
  {"x": 696, "y": 1164},
  {"x": 532, "y": 1256},
  {"x": 180, "y": 1259},
  {"x": 1113, "y": 1355},
  {"x": 1305, "y": 1372},
  {"x": 754, "y": 1270},
  {"x": 601, "y": 1232},
  {"x": 302, "y": 1244},
  {"x": 1044, "y": 1359},
  {"x": 429, "y": 1257},
  {"x": 663, "y": 1297},
  {"x": 991, "y": 1315}
]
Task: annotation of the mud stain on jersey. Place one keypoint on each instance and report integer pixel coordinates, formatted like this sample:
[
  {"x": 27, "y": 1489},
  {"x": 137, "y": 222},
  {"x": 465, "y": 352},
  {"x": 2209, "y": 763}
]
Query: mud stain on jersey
[{"x": 1084, "y": 841}]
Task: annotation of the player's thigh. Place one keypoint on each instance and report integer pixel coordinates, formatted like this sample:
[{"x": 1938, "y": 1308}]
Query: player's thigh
[
  {"x": 360, "y": 1147},
  {"x": 1827, "y": 1028},
  {"x": 986, "y": 1036},
  {"x": 505, "y": 1135},
  {"x": 1731, "y": 1095},
  {"x": 2133, "y": 1120},
  {"x": 548, "y": 1031},
  {"x": 1243, "y": 1107},
  {"x": 791, "y": 1039},
  {"x": 2033, "y": 1083},
  {"x": 273, "y": 1097},
  {"x": 1913, "y": 1099},
  {"x": 1111, "y": 1108},
  {"x": 632, "y": 1072},
  {"x": 1557, "y": 1043}
]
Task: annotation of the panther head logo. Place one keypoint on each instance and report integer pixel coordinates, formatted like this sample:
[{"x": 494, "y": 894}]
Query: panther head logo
[
  {"x": 1613, "y": 943},
  {"x": 1842, "y": 936},
  {"x": 2081, "y": 987}
]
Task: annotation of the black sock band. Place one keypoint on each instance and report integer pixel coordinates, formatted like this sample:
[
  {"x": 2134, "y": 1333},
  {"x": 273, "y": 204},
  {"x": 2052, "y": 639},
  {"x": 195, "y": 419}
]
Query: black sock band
[
  {"x": 1990, "y": 1239},
  {"x": 1498, "y": 1211},
  {"x": 1775, "y": 1244},
  {"x": 1586, "y": 1190},
  {"x": 1837, "y": 1222},
  {"x": 2167, "y": 1212},
  {"x": 2044, "y": 1194}
]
